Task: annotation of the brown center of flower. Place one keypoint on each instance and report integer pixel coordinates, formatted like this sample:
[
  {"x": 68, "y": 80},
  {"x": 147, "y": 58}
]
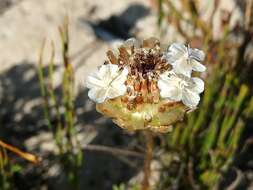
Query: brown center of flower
[
  {"x": 145, "y": 63},
  {"x": 148, "y": 63}
]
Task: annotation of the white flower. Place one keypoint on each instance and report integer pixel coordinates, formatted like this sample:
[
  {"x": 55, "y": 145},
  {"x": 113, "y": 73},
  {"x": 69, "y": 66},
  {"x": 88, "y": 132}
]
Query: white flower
[
  {"x": 177, "y": 87},
  {"x": 107, "y": 83},
  {"x": 185, "y": 59}
]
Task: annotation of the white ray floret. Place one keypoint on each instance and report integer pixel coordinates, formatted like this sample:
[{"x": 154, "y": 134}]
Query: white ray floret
[
  {"x": 178, "y": 87},
  {"x": 184, "y": 59},
  {"x": 107, "y": 82}
]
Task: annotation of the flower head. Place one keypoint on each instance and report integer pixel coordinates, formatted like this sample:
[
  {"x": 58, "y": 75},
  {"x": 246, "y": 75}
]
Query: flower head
[
  {"x": 177, "y": 87},
  {"x": 139, "y": 89},
  {"x": 184, "y": 59},
  {"x": 107, "y": 83}
]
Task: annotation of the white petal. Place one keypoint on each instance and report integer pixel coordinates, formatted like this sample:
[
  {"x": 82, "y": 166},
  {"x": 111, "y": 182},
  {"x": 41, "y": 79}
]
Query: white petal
[
  {"x": 178, "y": 48},
  {"x": 97, "y": 95},
  {"x": 162, "y": 84},
  {"x": 175, "y": 52},
  {"x": 190, "y": 98},
  {"x": 196, "y": 54},
  {"x": 169, "y": 90},
  {"x": 172, "y": 57},
  {"x": 172, "y": 93},
  {"x": 165, "y": 75},
  {"x": 122, "y": 90},
  {"x": 199, "y": 85},
  {"x": 94, "y": 82},
  {"x": 115, "y": 92},
  {"x": 120, "y": 79},
  {"x": 182, "y": 67},
  {"x": 107, "y": 82},
  {"x": 112, "y": 93},
  {"x": 197, "y": 66},
  {"x": 166, "y": 79},
  {"x": 185, "y": 59},
  {"x": 102, "y": 71},
  {"x": 111, "y": 71}
]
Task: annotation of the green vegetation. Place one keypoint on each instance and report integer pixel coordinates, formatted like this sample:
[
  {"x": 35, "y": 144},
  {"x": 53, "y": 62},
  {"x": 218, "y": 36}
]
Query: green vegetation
[
  {"x": 204, "y": 146},
  {"x": 59, "y": 109}
]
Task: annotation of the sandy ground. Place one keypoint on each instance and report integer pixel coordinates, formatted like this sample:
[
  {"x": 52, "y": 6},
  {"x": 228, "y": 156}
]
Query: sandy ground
[{"x": 24, "y": 26}]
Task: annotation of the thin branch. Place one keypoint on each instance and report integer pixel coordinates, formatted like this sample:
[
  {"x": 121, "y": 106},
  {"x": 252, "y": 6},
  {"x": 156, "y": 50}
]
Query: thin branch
[
  {"x": 30, "y": 157},
  {"x": 113, "y": 151},
  {"x": 237, "y": 181},
  {"x": 176, "y": 182},
  {"x": 191, "y": 175},
  {"x": 128, "y": 162}
]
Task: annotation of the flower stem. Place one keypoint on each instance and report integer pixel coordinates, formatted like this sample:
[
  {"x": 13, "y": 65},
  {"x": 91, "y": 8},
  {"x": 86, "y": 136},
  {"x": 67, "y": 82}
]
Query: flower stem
[{"x": 147, "y": 160}]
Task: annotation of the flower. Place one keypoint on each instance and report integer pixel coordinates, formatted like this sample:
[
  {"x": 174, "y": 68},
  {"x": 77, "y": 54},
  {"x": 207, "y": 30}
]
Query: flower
[
  {"x": 177, "y": 87},
  {"x": 185, "y": 59},
  {"x": 107, "y": 82},
  {"x": 139, "y": 90}
]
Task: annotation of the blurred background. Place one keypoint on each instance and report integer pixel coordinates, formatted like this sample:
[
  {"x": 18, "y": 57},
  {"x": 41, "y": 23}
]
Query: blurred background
[{"x": 44, "y": 108}]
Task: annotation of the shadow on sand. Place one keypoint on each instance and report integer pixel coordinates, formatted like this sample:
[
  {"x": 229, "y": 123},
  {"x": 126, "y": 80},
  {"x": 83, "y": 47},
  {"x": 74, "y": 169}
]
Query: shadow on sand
[{"x": 22, "y": 118}]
